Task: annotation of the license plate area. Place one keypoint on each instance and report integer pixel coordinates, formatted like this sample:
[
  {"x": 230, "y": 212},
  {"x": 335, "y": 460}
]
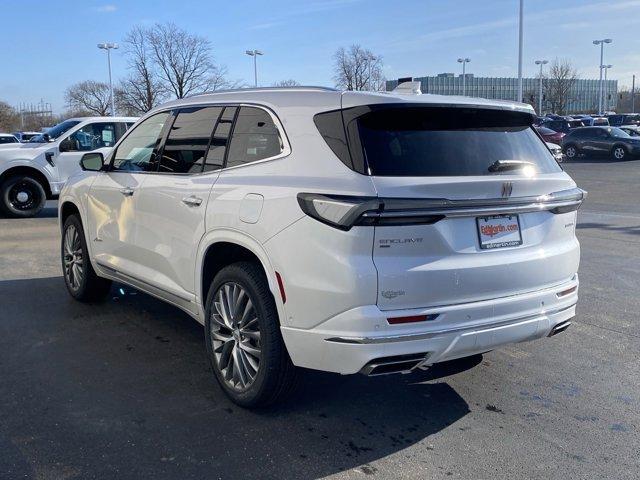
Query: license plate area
[{"x": 499, "y": 231}]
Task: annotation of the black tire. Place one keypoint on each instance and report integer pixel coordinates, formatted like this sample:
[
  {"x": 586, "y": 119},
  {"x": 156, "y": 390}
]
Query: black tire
[
  {"x": 275, "y": 376},
  {"x": 619, "y": 153},
  {"x": 22, "y": 196},
  {"x": 570, "y": 151},
  {"x": 87, "y": 287}
]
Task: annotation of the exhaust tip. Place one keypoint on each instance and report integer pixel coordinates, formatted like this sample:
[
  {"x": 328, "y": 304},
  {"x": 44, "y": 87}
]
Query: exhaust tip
[
  {"x": 559, "y": 328},
  {"x": 395, "y": 364}
]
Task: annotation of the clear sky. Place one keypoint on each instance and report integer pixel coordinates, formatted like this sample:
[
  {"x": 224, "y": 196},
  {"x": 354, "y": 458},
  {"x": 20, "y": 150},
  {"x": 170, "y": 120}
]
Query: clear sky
[{"x": 47, "y": 46}]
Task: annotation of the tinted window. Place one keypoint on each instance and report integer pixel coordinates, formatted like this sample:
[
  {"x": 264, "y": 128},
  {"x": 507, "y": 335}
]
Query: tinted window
[
  {"x": 255, "y": 137},
  {"x": 618, "y": 133},
  {"x": 188, "y": 140},
  {"x": 545, "y": 131},
  {"x": 138, "y": 151},
  {"x": 7, "y": 139},
  {"x": 436, "y": 141},
  {"x": 581, "y": 133},
  {"x": 55, "y": 132},
  {"x": 218, "y": 145},
  {"x": 95, "y": 135},
  {"x": 615, "y": 119}
]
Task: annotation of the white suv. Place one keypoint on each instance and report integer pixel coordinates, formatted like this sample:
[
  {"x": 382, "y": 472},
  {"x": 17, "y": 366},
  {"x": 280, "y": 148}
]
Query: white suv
[
  {"x": 340, "y": 231},
  {"x": 31, "y": 173}
]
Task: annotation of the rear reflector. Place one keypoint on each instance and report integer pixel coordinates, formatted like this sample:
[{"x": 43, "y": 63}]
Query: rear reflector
[
  {"x": 412, "y": 319},
  {"x": 281, "y": 287},
  {"x": 566, "y": 292}
]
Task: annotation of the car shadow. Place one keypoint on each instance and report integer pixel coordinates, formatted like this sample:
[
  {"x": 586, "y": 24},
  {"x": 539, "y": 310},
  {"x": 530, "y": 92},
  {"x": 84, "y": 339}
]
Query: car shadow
[
  {"x": 123, "y": 389},
  {"x": 633, "y": 229}
]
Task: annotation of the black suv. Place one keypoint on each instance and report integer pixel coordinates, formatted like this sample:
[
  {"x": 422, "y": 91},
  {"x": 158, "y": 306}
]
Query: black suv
[
  {"x": 600, "y": 140},
  {"x": 624, "y": 119},
  {"x": 564, "y": 126}
]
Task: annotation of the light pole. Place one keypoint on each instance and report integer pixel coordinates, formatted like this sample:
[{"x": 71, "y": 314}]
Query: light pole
[
  {"x": 541, "y": 63},
  {"x": 108, "y": 47},
  {"x": 254, "y": 54},
  {"x": 601, "y": 43},
  {"x": 464, "y": 62},
  {"x": 605, "y": 99},
  {"x": 520, "y": 27}
]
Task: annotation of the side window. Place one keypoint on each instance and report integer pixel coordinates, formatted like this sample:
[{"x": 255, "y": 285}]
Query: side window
[
  {"x": 138, "y": 151},
  {"x": 186, "y": 146},
  {"x": 255, "y": 137},
  {"x": 218, "y": 145},
  {"x": 92, "y": 136}
]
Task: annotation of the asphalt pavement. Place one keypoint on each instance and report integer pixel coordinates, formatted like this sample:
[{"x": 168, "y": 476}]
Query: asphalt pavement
[{"x": 122, "y": 389}]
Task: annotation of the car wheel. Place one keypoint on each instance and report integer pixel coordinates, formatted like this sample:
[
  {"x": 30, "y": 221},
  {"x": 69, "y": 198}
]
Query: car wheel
[
  {"x": 22, "y": 196},
  {"x": 619, "y": 152},
  {"x": 82, "y": 282},
  {"x": 571, "y": 151},
  {"x": 244, "y": 344}
]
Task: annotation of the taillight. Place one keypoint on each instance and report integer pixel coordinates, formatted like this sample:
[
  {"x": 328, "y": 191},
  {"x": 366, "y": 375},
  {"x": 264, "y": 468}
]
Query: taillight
[{"x": 344, "y": 212}]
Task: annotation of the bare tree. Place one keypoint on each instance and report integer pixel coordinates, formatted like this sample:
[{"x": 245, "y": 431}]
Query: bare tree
[
  {"x": 558, "y": 85},
  {"x": 287, "y": 83},
  {"x": 219, "y": 79},
  {"x": 357, "y": 68},
  {"x": 184, "y": 60},
  {"x": 9, "y": 118},
  {"x": 142, "y": 89},
  {"x": 89, "y": 96}
]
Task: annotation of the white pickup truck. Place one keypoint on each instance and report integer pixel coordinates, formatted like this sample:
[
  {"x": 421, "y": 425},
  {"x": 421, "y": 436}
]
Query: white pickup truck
[{"x": 33, "y": 172}]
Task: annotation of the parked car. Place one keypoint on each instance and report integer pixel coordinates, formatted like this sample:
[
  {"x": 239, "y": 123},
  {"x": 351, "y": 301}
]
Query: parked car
[
  {"x": 611, "y": 141},
  {"x": 7, "y": 138},
  {"x": 25, "y": 136},
  {"x": 563, "y": 126},
  {"x": 624, "y": 119},
  {"x": 595, "y": 121},
  {"x": 631, "y": 130},
  {"x": 340, "y": 231},
  {"x": 31, "y": 173},
  {"x": 550, "y": 136},
  {"x": 556, "y": 151}
]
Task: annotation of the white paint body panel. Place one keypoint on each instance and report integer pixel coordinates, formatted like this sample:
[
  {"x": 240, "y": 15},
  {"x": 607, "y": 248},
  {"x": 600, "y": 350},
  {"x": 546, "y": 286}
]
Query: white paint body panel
[{"x": 334, "y": 279}]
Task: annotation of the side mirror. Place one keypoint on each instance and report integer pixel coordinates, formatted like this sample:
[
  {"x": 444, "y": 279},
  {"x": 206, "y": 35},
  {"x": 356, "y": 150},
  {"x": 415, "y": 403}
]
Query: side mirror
[
  {"x": 66, "y": 145},
  {"x": 92, "y": 162}
]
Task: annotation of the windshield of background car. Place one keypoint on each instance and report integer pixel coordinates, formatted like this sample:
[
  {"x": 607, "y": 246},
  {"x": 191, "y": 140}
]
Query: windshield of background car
[
  {"x": 447, "y": 141},
  {"x": 55, "y": 132}
]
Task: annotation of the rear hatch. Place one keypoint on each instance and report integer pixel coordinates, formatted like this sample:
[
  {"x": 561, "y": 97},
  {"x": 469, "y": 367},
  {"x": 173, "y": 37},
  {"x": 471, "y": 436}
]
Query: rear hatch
[{"x": 475, "y": 206}]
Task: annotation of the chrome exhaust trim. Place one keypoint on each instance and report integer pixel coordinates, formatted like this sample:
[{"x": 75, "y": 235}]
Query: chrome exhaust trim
[
  {"x": 559, "y": 328},
  {"x": 396, "y": 364}
]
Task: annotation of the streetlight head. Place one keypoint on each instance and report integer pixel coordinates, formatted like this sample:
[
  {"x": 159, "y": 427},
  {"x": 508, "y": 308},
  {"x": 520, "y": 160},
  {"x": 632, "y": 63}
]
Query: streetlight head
[
  {"x": 608, "y": 66},
  {"x": 249, "y": 52},
  {"x": 607, "y": 40},
  {"x": 460, "y": 60},
  {"x": 467, "y": 60},
  {"x": 102, "y": 46},
  {"x": 258, "y": 52},
  {"x": 597, "y": 42}
]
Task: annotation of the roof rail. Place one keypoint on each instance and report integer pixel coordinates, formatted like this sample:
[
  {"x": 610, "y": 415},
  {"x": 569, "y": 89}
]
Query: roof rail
[{"x": 262, "y": 89}]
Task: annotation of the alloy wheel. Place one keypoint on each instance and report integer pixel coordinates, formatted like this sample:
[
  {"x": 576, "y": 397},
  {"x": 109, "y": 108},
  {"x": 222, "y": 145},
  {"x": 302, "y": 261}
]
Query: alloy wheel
[
  {"x": 571, "y": 152},
  {"x": 73, "y": 258},
  {"x": 235, "y": 336},
  {"x": 619, "y": 153}
]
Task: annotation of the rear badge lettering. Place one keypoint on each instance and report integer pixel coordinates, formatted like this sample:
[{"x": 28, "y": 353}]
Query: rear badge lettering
[
  {"x": 388, "y": 242},
  {"x": 391, "y": 294}
]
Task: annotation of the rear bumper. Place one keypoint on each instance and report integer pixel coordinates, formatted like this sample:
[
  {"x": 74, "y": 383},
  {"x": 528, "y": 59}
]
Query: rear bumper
[{"x": 350, "y": 341}]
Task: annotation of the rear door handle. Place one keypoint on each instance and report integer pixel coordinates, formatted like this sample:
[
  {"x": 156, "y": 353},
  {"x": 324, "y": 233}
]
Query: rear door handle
[
  {"x": 127, "y": 191},
  {"x": 192, "y": 201}
]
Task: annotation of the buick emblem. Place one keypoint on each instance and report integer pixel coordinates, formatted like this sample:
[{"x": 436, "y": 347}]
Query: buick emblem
[{"x": 507, "y": 188}]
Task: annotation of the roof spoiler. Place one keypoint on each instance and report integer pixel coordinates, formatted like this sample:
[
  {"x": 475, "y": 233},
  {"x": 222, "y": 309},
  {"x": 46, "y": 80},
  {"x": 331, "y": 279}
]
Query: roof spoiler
[{"x": 408, "y": 88}]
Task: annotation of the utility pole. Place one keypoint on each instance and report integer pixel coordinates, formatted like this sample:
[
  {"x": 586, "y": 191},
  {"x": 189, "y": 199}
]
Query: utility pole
[
  {"x": 464, "y": 61},
  {"x": 541, "y": 63},
  {"x": 108, "y": 47},
  {"x": 254, "y": 54},
  {"x": 520, "y": 51},
  {"x": 601, "y": 43},
  {"x": 633, "y": 94}
]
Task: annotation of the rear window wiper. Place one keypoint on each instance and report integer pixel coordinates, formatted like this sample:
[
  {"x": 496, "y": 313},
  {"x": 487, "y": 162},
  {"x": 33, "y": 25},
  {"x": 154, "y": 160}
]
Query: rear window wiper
[{"x": 505, "y": 165}]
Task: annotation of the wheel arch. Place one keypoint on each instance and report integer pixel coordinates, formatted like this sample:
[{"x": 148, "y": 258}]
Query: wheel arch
[
  {"x": 38, "y": 175},
  {"x": 218, "y": 250},
  {"x": 66, "y": 209}
]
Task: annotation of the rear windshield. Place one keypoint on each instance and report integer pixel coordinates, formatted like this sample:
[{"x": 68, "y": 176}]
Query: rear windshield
[{"x": 442, "y": 141}]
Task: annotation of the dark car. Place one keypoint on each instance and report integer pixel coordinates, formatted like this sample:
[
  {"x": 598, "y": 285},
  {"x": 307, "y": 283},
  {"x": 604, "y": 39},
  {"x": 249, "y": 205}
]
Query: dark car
[
  {"x": 564, "y": 126},
  {"x": 549, "y": 135},
  {"x": 600, "y": 140},
  {"x": 624, "y": 119}
]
